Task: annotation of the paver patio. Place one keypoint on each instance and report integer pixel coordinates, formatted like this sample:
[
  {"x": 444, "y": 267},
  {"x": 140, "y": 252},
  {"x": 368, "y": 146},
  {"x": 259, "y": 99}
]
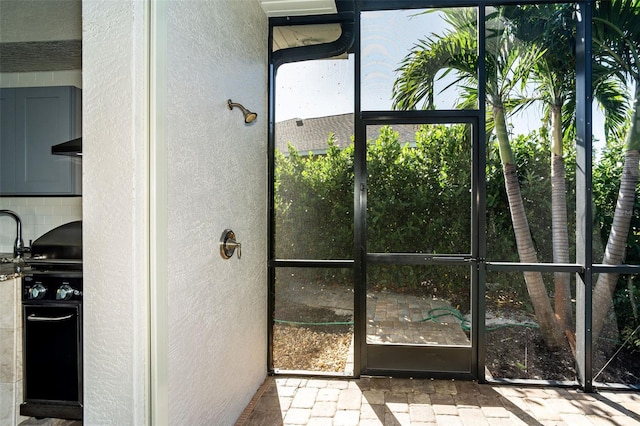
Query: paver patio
[
  {"x": 391, "y": 317},
  {"x": 393, "y": 401},
  {"x": 403, "y": 319}
]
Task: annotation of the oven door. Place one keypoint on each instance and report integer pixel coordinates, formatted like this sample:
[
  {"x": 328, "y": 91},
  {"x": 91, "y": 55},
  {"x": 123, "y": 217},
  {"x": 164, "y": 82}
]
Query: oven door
[{"x": 53, "y": 352}]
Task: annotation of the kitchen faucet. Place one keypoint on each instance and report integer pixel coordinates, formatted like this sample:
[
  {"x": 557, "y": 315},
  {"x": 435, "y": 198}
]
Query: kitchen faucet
[{"x": 18, "y": 246}]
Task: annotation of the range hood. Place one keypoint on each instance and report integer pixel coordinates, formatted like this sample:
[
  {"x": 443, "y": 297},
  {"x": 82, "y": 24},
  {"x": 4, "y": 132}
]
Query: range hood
[{"x": 72, "y": 148}]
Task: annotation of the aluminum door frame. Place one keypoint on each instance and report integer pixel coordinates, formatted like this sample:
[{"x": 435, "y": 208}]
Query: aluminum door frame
[{"x": 407, "y": 360}]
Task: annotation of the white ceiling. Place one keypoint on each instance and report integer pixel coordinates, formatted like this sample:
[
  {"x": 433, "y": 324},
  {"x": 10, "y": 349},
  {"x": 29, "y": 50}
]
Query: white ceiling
[
  {"x": 43, "y": 35},
  {"x": 59, "y": 21},
  {"x": 298, "y": 7},
  {"x": 44, "y": 20}
]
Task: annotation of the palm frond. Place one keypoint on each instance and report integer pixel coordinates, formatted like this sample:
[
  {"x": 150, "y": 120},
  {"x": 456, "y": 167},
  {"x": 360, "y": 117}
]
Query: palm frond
[
  {"x": 615, "y": 36},
  {"x": 614, "y": 101},
  {"x": 414, "y": 86}
]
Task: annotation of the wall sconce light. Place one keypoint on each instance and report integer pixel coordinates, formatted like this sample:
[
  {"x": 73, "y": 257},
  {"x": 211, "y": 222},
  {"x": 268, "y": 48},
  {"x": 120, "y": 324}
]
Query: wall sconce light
[{"x": 249, "y": 116}]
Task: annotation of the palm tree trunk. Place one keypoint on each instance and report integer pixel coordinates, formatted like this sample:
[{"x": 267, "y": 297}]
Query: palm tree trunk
[
  {"x": 526, "y": 250},
  {"x": 559, "y": 225},
  {"x": 615, "y": 251}
]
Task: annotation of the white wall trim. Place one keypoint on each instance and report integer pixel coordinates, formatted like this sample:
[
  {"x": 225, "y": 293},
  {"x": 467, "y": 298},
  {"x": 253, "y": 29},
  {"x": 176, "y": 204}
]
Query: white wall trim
[{"x": 158, "y": 219}]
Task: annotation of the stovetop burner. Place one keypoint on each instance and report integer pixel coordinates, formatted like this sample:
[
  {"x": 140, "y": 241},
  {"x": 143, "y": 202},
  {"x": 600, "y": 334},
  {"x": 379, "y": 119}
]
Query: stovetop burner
[
  {"x": 56, "y": 266},
  {"x": 59, "y": 249}
]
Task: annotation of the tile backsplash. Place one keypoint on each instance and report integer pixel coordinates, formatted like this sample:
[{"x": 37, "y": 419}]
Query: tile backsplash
[
  {"x": 38, "y": 215},
  {"x": 41, "y": 78}
]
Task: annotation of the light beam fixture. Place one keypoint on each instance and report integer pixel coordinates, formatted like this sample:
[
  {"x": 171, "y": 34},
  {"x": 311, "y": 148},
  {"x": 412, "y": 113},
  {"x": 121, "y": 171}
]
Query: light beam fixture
[{"x": 249, "y": 116}]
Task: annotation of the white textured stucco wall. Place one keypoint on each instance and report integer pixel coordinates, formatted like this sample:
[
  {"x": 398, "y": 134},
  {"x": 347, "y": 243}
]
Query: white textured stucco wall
[
  {"x": 115, "y": 193},
  {"x": 217, "y": 179},
  {"x": 215, "y": 176}
]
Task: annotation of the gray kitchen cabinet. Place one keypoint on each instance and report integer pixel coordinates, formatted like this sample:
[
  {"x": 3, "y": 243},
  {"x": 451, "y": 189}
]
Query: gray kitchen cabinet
[{"x": 34, "y": 119}]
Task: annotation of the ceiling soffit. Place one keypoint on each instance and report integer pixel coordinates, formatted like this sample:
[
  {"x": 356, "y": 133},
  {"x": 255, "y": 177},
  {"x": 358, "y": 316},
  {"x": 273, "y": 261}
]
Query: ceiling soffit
[
  {"x": 298, "y": 7},
  {"x": 304, "y": 35}
]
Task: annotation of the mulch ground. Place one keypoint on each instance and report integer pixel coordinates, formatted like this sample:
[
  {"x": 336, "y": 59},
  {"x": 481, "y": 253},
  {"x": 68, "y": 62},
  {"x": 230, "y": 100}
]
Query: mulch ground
[
  {"x": 312, "y": 346},
  {"x": 513, "y": 352}
]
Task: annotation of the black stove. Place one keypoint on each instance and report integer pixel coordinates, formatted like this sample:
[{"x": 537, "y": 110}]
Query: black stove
[{"x": 52, "y": 325}]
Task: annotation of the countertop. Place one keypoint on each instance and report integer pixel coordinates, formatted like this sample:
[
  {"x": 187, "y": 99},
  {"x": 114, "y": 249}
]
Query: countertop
[{"x": 13, "y": 269}]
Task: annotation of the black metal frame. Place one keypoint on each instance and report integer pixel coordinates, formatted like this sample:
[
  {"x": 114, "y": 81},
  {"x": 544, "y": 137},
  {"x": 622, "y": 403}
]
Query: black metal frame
[
  {"x": 584, "y": 243},
  {"x": 275, "y": 59},
  {"x": 584, "y": 267},
  {"x": 453, "y": 362}
]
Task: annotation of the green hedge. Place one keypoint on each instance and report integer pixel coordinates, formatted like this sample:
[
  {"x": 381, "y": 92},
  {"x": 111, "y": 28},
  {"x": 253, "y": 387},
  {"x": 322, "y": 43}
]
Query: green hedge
[{"x": 418, "y": 199}]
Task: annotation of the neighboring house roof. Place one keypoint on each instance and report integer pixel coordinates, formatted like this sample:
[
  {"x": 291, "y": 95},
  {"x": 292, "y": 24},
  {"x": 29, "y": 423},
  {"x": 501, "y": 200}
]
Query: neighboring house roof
[{"x": 312, "y": 134}]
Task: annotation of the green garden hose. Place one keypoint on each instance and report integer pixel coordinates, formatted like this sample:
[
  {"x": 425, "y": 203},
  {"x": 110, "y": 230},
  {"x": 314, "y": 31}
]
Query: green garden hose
[{"x": 465, "y": 324}]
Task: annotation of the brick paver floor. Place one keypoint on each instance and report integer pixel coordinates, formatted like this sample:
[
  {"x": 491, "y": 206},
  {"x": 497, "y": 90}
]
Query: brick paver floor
[
  {"x": 393, "y": 401},
  {"x": 392, "y": 318},
  {"x": 404, "y": 318}
]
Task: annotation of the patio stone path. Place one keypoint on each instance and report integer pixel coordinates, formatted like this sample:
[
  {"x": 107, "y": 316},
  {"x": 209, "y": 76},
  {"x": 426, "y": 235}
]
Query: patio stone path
[
  {"x": 392, "y": 401},
  {"x": 391, "y": 317},
  {"x": 400, "y": 318}
]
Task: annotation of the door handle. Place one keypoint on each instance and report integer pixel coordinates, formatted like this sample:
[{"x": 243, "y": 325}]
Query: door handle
[
  {"x": 435, "y": 259},
  {"x": 443, "y": 259},
  {"x": 34, "y": 317}
]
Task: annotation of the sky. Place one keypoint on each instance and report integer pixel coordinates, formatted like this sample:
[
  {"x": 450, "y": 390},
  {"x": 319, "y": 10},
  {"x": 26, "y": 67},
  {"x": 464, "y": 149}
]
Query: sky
[{"x": 326, "y": 87}]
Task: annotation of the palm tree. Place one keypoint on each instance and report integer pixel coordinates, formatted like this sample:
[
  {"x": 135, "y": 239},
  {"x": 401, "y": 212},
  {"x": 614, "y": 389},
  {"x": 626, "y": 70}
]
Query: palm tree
[
  {"x": 550, "y": 27},
  {"x": 507, "y": 65},
  {"x": 616, "y": 38}
]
